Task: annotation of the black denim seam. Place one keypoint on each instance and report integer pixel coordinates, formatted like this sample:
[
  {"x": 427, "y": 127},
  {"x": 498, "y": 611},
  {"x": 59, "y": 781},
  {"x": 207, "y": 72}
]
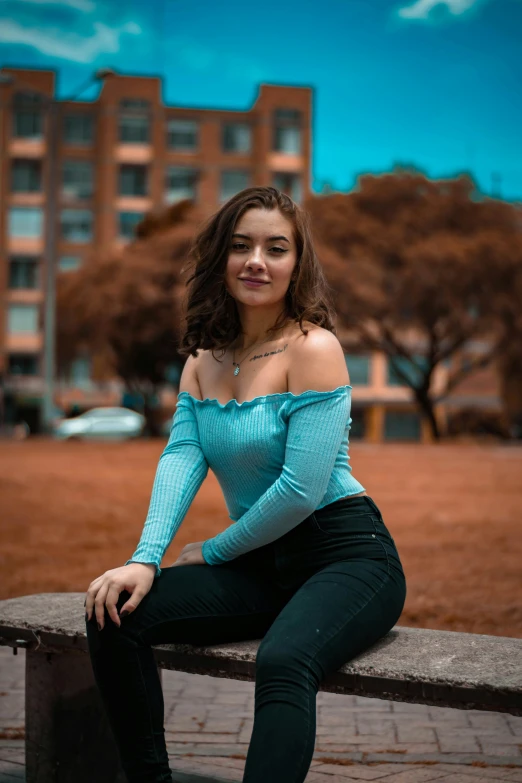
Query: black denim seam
[
  {"x": 378, "y": 538},
  {"x": 144, "y": 685},
  {"x": 308, "y": 713},
  {"x": 317, "y": 526},
  {"x": 360, "y": 536},
  {"x": 342, "y": 625},
  {"x": 373, "y": 505}
]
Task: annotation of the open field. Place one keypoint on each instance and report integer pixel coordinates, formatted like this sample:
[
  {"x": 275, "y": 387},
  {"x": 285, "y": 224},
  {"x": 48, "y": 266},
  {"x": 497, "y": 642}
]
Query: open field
[{"x": 69, "y": 511}]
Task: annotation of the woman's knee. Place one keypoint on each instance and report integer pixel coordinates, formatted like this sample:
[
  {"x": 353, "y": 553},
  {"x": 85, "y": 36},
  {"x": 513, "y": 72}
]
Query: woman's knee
[
  {"x": 127, "y": 633},
  {"x": 274, "y": 660}
]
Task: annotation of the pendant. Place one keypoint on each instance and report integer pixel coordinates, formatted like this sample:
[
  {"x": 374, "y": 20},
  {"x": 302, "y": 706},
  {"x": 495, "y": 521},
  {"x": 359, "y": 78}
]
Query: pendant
[{"x": 236, "y": 371}]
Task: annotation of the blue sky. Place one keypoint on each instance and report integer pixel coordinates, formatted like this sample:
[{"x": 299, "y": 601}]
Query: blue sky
[{"x": 420, "y": 82}]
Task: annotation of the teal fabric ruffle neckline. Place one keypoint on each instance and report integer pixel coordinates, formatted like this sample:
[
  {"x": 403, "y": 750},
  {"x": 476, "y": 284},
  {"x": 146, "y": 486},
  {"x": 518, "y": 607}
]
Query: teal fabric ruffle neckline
[{"x": 262, "y": 398}]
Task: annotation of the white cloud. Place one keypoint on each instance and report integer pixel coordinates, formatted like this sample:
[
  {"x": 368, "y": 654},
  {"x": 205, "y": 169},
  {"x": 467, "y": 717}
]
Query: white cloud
[
  {"x": 132, "y": 28},
  {"x": 67, "y": 46},
  {"x": 77, "y": 5},
  {"x": 422, "y": 8}
]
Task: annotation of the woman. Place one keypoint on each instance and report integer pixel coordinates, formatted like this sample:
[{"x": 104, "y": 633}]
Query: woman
[{"x": 308, "y": 565}]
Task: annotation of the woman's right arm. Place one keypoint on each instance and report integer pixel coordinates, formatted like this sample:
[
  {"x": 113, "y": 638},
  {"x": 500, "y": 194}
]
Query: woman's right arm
[{"x": 181, "y": 470}]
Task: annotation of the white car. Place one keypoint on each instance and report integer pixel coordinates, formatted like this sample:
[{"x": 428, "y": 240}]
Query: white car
[{"x": 105, "y": 423}]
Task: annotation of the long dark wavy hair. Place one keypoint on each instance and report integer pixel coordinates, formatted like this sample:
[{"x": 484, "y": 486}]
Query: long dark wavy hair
[{"x": 210, "y": 312}]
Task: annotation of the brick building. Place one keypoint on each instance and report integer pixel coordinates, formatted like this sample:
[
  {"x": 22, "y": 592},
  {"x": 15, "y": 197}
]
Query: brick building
[
  {"x": 115, "y": 159},
  {"x": 105, "y": 165}
]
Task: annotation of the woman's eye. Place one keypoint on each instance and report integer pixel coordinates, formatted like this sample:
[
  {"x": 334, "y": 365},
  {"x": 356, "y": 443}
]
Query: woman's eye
[{"x": 239, "y": 245}]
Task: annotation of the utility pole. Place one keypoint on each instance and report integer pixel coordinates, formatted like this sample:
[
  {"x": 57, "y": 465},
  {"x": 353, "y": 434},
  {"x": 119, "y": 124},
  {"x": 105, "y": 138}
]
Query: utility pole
[
  {"x": 3, "y": 81},
  {"x": 50, "y": 269}
]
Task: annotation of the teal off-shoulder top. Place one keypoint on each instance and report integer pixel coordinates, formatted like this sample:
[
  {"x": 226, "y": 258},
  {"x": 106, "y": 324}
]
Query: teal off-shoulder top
[{"x": 278, "y": 458}]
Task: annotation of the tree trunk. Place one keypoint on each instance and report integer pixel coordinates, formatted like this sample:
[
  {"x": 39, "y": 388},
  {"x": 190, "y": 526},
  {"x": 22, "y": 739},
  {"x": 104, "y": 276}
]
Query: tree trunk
[
  {"x": 428, "y": 411},
  {"x": 152, "y": 413},
  {"x": 510, "y": 372}
]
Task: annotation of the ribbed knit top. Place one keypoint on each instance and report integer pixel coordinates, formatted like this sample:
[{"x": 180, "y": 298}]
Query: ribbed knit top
[{"x": 277, "y": 458}]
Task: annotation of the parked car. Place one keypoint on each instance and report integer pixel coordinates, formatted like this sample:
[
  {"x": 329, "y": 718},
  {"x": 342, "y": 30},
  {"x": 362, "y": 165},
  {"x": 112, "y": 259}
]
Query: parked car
[{"x": 104, "y": 423}]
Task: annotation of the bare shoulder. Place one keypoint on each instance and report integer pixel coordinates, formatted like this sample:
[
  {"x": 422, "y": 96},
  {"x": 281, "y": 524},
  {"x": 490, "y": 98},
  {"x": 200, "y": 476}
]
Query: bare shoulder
[
  {"x": 189, "y": 377},
  {"x": 317, "y": 361}
]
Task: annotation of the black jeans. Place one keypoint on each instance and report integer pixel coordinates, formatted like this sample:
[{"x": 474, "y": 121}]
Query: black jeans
[{"x": 317, "y": 596}]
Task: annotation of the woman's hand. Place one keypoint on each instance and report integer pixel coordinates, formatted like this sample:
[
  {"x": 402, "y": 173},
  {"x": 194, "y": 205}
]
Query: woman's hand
[
  {"x": 136, "y": 578},
  {"x": 191, "y": 555}
]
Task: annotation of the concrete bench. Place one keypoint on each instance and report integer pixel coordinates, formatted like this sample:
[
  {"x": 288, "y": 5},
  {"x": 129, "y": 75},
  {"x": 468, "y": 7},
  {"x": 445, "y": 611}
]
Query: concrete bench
[{"x": 67, "y": 735}]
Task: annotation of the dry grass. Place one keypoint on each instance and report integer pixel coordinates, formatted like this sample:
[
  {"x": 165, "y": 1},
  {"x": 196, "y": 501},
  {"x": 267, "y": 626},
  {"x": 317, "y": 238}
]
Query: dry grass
[{"x": 69, "y": 511}]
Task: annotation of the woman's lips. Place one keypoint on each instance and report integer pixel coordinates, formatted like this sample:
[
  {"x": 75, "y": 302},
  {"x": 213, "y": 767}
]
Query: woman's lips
[{"x": 251, "y": 283}]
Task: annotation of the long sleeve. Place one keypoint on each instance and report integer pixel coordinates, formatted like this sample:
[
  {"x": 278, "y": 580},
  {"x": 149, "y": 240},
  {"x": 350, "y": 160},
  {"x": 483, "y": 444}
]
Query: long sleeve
[
  {"x": 181, "y": 470},
  {"x": 316, "y": 427}
]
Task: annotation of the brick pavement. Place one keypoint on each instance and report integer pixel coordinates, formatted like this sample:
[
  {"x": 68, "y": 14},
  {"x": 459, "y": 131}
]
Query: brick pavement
[{"x": 208, "y": 724}]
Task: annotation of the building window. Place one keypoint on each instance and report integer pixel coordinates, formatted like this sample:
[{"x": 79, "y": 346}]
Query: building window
[
  {"x": 415, "y": 375},
  {"x": 78, "y": 129},
  {"x": 69, "y": 263},
  {"x": 134, "y": 130},
  {"x": 26, "y": 176},
  {"x": 182, "y": 135},
  {"x": 127, "y": 222},
  {"x": 358, "y": 369},
  {"x": 287, "y": 131},
  {"x": 134, "y": 104},
  {"x": 232, "y": 182},
  {"x": 181, "y": 183},
  {"x": 24, "y": 273},
  {"x": 22, "y": 318},
  {"x": 26, "y": 222},
  {"x": 77, "y": 225},
  {"x": 23, "y": 364},
  {"x": 77, "y": 179},
  {"x": 357, "y": 423},
  {"x": 236, "y": 137},
  {"x": 27, "y": 116},
  {"x": 132, "y": 180},
  {"x": 402, "y": 425},
  {"x": 288, "y": 183},
  {"x": 134, "y": 121}
]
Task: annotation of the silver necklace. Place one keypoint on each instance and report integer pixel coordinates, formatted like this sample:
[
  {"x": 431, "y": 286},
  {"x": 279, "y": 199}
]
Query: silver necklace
[{"x": 236, "y": 371}]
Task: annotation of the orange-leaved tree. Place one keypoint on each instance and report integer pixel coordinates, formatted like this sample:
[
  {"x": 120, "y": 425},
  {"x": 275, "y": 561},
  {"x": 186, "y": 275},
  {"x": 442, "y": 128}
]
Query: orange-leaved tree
[
  {"x": 125, "y": 305},
  {"x": 419, "y": 269}
]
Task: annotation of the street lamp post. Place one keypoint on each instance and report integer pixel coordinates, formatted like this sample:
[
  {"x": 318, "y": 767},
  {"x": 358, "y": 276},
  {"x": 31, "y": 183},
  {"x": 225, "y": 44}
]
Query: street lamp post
[
  {"x": 51, "y": 222},
  {"x": 50, "y": 271},
  {"x": 4, "y": 80}
]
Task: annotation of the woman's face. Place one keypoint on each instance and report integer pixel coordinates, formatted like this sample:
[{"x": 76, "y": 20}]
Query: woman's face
[{"x": 262, "y": 247}]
